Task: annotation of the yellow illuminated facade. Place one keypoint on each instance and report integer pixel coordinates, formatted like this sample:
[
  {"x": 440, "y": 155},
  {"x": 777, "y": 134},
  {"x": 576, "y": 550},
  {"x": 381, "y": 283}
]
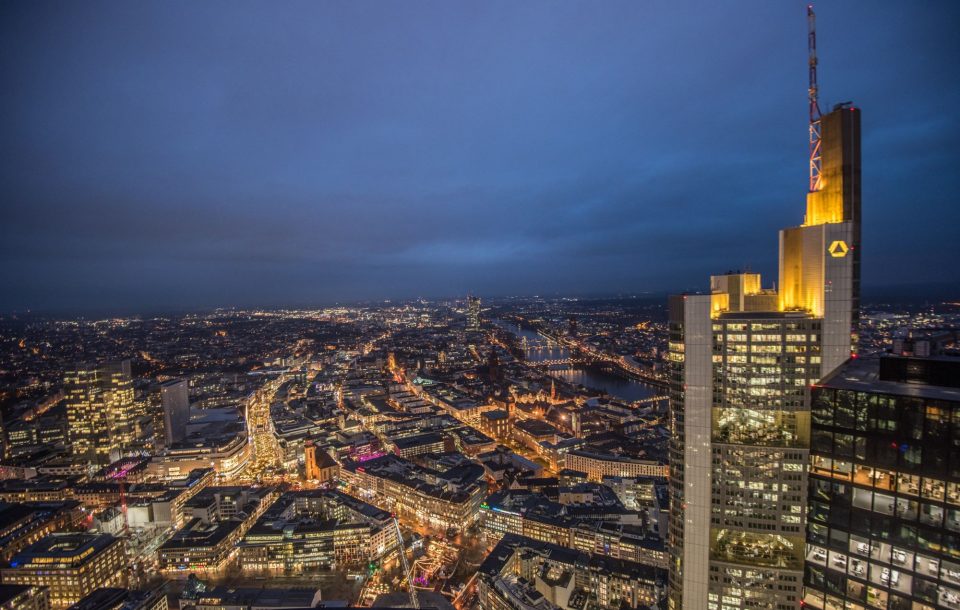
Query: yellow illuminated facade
[
  {"x": 100, "y": 405},
  {"x": 838, "y": 198},
  {"x": 838, "y": 248},
  {"x": 71, "y": 565},
  {"x": 831, "y": 227},
  {"x": 742, "y": 361}
]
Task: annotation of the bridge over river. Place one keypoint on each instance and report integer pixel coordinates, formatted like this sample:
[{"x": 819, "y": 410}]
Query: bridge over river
[{"x": 542, "y": 351}]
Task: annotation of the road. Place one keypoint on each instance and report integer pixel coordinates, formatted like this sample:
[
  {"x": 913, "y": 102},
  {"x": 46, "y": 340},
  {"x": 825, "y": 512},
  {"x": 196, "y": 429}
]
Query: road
[{"x": 265, "y": 447}]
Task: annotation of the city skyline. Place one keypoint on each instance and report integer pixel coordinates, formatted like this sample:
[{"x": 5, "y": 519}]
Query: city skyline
[
  {"x": 447, "y": 151},
  {"x": 395, "y": 306}
]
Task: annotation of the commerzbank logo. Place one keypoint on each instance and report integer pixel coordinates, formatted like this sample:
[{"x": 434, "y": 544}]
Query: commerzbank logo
[{"x": 838, "y": 249}]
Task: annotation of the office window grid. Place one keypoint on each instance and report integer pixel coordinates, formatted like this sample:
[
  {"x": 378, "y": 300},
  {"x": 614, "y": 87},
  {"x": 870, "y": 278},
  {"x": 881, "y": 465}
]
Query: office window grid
[{"x": 884, "y": 511}]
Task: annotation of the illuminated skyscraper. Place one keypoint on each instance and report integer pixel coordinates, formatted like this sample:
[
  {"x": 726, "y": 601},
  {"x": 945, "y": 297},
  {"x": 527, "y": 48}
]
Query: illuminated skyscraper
[
  {"x": 742, "y": 360},
  {"x": 473, "y": 313},
  {"x": 100, "y": 406}
]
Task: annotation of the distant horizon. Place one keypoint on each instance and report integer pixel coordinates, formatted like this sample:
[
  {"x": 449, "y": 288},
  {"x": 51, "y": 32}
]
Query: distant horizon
[{"x": 901, "y": 294}]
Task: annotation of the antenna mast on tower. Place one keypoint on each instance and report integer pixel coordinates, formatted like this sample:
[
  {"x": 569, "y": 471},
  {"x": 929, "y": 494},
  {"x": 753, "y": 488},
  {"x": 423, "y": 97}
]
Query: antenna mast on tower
[{"x": 814, "y": 105}]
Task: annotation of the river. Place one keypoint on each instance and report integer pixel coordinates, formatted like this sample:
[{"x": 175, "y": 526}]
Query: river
[{"x": 539, "y": 349}]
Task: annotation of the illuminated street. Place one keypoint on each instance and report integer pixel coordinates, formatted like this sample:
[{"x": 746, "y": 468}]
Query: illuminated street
[{"x": 480, "y": 305}]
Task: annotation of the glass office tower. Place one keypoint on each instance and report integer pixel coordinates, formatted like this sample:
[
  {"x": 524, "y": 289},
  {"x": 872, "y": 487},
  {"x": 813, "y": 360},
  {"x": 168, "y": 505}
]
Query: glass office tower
[
  {"x": 100, "y": 402},
  {"x": 884, "y": 486}
]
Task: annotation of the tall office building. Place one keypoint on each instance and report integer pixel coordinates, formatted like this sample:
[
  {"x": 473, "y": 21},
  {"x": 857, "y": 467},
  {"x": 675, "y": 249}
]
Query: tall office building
[
  {"x": 175, "y": 400},
  {"x": 884, "y": 486},
  {"x": 473, "y": 313},
  {"x": 742, "y": 359},
  {"x": 99, "y": 401}
]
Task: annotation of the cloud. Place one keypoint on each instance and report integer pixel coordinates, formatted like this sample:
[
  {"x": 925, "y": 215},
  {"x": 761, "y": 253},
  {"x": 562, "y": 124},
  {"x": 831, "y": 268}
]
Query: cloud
[{"x": 225, "y": 154}]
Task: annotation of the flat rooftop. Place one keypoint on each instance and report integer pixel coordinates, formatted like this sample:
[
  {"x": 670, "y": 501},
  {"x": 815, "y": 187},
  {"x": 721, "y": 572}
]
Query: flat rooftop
[
  {"x": 62, "y": 548},
  {"x": 863, "y": 375},
  {"x": 250, "y": 596}
]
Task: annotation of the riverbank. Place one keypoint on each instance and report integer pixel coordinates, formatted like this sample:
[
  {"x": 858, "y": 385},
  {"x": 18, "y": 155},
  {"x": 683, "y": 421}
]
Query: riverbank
[{"x": 540, "y": 348}]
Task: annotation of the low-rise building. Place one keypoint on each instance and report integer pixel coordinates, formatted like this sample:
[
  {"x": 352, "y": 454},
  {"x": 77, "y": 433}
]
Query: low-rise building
[
  {"x": 251, "y": 598},
  {"x": 496, "y": 423},
  {"x": 599, "y": 465},
  {"x": 220, "y": 518},
  {"x": 70, "y": 564},
  {"x": 431, "y": 442},
  {"x": 25, "y": 523},
  {"x": 397, "y": 485},
  {"x": 472, "y": 442},
  {"x": 533, "y": 432},
  {"x": 531, "y": 515},
  {"x": 316, "y": 529},
  {"x": 114, "y": 598},
  {"x": 227, "y": 452},
  {"x": 39, "y": 489},
  {"x": 524, "y": 574},
  {"x": 24, "y": 597}
]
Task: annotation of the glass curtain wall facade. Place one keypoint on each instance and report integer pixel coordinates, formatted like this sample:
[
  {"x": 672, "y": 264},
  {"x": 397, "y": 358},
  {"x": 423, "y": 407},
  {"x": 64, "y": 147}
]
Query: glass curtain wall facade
[
  {"x": 742, "y": 359},
  {"x": 884, "y": 494},
  {"x": 100, "y": 403}
]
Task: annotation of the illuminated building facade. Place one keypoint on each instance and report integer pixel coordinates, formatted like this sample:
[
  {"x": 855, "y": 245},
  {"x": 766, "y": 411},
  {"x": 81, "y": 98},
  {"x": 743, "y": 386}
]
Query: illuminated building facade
[
  {"x": 599, "y": 465},
  {"x": 199, "y": 547},
  {"x": 227, "y": 454},
  {"x": 310, "y": 466},
  {"x": 70, "y": 565},
  {"x": 500, "y": 517},
  {"x": 884, "y": 487},
  {"x": 318, "y": 465},
  {"x": 24, "y": 597},
  {"x": 496, "y": 423},
  {"x": 114, "y": 598},
  {"x": 24, "y": 524},
  {"x": 100, "y": 414},
  {"x": 473, "y": 313},
  {"x": 394, "y": 484},
  {"x": 317, "y": 529},
  {"x": 525, "y": 574},
  {"x": 741, "y": 361}
]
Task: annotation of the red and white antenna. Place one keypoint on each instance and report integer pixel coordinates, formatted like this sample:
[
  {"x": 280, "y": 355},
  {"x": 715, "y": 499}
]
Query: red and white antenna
[{"x": 814, "y": 105}]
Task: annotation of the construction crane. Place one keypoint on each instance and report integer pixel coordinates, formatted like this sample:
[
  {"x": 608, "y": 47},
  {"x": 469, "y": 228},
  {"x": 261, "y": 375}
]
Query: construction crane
[
  {"x": 414, "y": 602},
  {"x": 812, "y": 95}
]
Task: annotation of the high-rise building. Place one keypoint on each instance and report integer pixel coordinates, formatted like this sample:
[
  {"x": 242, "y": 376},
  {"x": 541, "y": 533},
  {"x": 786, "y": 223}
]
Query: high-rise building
[
  {"x": 100, "y": 415},
  {"x": 473, "y": 313},
  {"x": 175, "y": 399},
  {"x": 884, "y": 486},
  {"x": 741, "y": 361}
]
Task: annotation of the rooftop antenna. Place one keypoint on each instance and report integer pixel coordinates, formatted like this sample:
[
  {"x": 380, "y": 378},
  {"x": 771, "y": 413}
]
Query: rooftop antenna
[{"x": 814, "y": 103}]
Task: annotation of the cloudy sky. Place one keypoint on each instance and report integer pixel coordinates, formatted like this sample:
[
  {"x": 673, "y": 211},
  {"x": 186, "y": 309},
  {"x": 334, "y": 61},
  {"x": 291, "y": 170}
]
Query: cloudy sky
[{"x": 185, "y": 154}]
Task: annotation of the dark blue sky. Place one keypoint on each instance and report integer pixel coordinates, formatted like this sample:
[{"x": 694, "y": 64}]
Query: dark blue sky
[{"x": 171, "y": 154}]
